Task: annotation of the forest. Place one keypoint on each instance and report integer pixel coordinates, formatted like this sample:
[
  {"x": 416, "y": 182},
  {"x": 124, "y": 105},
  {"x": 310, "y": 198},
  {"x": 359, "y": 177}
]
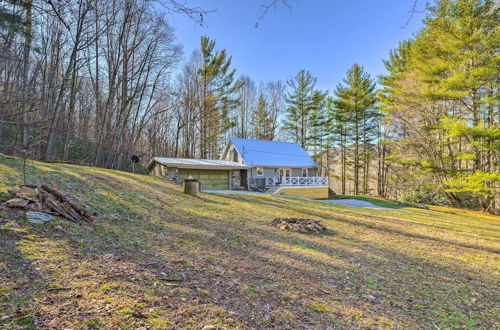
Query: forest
[{"x": 93, "y": 82}]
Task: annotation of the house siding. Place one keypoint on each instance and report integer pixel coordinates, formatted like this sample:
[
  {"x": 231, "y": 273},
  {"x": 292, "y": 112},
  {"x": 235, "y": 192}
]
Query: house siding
[
  {"x": 271, "y": 172},
  {"x": 233, "y": 155},
  {"x": 157, "y": 170},
  {"x": 209, "y": 179},
  {"x": 268, "y": 173}
]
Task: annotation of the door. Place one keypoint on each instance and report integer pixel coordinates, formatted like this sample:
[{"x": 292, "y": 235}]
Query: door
[
  {"x": 285, "y": 173},
  {"x": 243, "y": 178}
]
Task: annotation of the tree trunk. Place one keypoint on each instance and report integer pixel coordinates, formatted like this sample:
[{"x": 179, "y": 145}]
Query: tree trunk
[{"x": 28, "y": 35}]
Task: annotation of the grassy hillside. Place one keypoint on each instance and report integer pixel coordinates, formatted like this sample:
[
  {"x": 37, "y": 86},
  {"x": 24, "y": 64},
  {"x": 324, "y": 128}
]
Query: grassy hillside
[{"x": 160, "y": 259}]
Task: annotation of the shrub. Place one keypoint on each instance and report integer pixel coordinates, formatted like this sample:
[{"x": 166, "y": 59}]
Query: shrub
[{"x": 427, "y": 194}]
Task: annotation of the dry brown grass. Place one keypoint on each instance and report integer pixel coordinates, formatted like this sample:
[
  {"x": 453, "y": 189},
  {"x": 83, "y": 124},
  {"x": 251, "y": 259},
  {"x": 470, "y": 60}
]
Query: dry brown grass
[{"x": 161, "y": 259}]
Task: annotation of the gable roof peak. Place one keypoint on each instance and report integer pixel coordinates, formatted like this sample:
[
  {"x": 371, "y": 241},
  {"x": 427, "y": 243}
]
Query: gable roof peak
[{"x": 272, "y": 153}]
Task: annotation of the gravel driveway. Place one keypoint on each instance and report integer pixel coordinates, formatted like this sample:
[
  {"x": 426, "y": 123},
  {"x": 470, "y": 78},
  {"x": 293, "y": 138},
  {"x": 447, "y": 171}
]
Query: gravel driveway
[
  {"x": 354, "y": 202},
  {"x": 348, "y": 202}
]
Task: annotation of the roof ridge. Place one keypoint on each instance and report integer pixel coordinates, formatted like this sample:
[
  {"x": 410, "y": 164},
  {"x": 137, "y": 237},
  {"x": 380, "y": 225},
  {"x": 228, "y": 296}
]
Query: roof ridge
[{"x": 264, "y": 140}]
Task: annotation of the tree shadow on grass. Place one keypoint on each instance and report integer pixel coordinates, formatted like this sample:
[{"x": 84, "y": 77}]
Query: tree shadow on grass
[
  {"x": 241, "y": 265},
  {"x": 20, "y": 281},
  {"x": 375, "y": 226}
]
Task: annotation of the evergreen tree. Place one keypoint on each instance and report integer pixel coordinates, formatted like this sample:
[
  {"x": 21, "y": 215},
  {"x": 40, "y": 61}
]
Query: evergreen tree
[
  {"x": 300, "y": 107},
  {"x": 317, "y": 121},
  {"x": 355, "y": 100},
  {"x": 456, "y": 56},
  {"x": 218, "y": 97},
  {"x": 262, "y": 124},
  {"x": 440, "y": 94}
]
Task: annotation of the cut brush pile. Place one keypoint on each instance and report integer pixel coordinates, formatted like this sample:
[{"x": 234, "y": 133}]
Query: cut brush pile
[{"x": 43, "y": 198}]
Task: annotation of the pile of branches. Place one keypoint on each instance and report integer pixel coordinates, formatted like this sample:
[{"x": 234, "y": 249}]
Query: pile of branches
[
  {"x": 298, "y": 225},
  {"x": 43, "y": 198}
]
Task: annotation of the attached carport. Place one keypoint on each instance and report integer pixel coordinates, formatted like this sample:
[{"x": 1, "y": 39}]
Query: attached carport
[{"x": 213, "y": 174}]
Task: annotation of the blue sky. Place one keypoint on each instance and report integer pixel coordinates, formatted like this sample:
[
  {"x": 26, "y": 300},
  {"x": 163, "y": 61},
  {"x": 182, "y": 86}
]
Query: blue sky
[{"x": 323, "y": 36}]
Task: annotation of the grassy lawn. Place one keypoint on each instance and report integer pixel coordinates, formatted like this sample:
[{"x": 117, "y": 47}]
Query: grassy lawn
[{"x": 160, "y": 259}]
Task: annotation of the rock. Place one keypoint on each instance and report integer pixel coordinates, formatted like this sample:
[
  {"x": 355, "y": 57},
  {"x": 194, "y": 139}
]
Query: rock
[
  {"x": 38, "y": 217},
  {"x": 34, "y": 207},
  {"x": 32, "y": 192},
  {"x": 17, "y": 202}
]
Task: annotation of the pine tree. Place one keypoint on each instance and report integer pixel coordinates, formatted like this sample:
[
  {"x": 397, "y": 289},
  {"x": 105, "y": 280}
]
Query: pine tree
[
  {"x": 218, "y": 97},
  {"x": 262, "y": 124},
  {"x": 355, "y": 99},
  {"x": 300, "y": 106},
  {"x": 456, "y": 56},
  {"x": 317, "y": 121},
  {"x": 448, "y": 74}
]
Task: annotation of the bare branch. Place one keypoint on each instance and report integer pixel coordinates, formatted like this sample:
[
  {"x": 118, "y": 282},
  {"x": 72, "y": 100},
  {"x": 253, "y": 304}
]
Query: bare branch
[
  {"x": 414, "y": 11},
  {"x": 196, "y": 14},
  {"x": 271, "y": 5},
  {"x": 56, "y": 12}
]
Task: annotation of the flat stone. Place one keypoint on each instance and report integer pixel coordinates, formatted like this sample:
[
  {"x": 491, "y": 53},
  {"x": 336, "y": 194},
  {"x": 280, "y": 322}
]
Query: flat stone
[
  {"x": 33, "y": 192},
  {"x": 17, "y": 202},
  {"x": 38, "y": 217}
]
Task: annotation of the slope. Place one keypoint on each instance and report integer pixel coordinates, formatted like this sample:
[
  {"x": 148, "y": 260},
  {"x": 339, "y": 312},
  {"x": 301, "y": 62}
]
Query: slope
[{"x": 160, "y": 259}]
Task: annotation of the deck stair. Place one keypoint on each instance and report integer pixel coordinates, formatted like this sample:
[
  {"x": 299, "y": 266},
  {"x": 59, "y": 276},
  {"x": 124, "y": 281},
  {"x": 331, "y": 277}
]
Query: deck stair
[{"x": 273, "y": 189}]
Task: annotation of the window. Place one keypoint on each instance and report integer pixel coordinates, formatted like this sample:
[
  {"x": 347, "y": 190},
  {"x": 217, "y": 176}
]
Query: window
[
  {"x": 304, "y": 172},
  {"x": 260, "y": 171}
]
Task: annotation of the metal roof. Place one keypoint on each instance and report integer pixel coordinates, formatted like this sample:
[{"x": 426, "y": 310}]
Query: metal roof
[
  {"x": 272, "y": 153},
  {"x": 198, "y": 163}
]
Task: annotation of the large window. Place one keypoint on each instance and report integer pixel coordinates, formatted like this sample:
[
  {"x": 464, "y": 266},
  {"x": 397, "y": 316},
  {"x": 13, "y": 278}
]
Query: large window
[
  {"x": 235, "y": 155},
  {"x": 260, "y": 171},
  {"x": 304, "y": 172}
]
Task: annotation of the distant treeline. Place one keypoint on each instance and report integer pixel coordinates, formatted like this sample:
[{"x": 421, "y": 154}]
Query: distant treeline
[{"x": 94, "y": 81}]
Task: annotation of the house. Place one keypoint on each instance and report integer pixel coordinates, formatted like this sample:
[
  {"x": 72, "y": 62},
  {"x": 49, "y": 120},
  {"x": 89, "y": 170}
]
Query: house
[
  {"x": 280, "y": 167},
  {"x": 271, "y": 161}
]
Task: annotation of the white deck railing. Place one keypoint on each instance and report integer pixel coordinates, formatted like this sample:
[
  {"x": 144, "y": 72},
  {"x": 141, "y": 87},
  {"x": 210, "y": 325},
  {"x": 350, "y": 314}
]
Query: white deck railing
[
  {"x": 305, "y": 181},
  {"x": 298, "y": 181},
  {"x": 270, "y": 182}
]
